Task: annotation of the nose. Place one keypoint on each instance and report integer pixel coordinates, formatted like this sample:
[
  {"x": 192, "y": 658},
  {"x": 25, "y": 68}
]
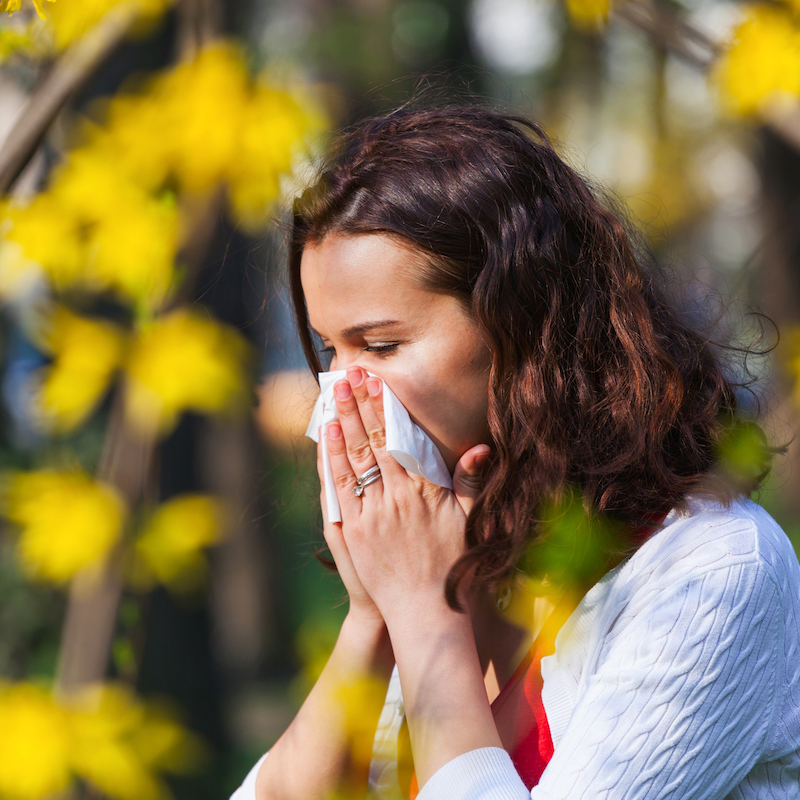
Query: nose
[{"x": 344, "y": 363}]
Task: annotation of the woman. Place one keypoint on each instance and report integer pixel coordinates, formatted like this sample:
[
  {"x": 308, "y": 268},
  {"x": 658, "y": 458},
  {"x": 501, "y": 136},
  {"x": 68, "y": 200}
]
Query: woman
[{"x": 451, "y": 253}]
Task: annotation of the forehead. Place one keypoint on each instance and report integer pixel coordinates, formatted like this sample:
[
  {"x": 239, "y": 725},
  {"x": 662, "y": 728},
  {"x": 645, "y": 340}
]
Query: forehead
[{"x": 349, "y": 279}]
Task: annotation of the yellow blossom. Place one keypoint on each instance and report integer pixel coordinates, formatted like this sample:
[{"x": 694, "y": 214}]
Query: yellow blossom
[
  {"x": 119, "y": 743},
  {"x": 94, "y": 227},
  {"x": 360, "y": 700},
  {"x": 13, "y": 41},
  {"x": 171, "y": 546},
  {"x": 104, "y": 735},
  {"x": 70, "y": 19},
  {"x": 34, "y": 744},
  {"x": 203, "y": 104},
  {"x": 10, "y": 5},
  {"x": 86, "y": 353},
  {"x": 14, "y": 5},
  {"x": 274, "y": 125},
  {"x": 790, "y": 349},
  {"x": 43, "y": 233},
  {"x": 130, "y": 236},
  {"x": 589, "y": 14},
  {"x": 763, "y": 63},
  {"x": 67, "y": 520},
  {"x": 184, "y": 361}
]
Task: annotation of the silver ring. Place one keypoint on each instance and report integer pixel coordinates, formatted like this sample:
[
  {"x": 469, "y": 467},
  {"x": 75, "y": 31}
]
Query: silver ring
[
  {"x": 376, "y": 470},
  {"x": 358, "y": 489}
]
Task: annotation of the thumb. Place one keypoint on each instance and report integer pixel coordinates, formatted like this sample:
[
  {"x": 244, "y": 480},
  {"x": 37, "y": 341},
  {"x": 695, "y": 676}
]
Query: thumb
[{"x": 468, "y": 478}]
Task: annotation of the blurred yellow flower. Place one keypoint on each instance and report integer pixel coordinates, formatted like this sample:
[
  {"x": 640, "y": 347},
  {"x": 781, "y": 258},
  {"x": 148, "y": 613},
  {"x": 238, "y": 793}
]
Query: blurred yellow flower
[
  {"x": 119, "y": 743},
  {"x": 130, "y": 236},
  {"x": 34, "y": 744},
  {"x": 589, "y": 14},
  {"x": 95, "y": 228},
  {"x": 360, "y": 702},
  {"x": 203, "y": 101},
  {"x": 42, "y": 233},
  {"x": 68, "y": 521},
  {"x": 104, "y": 735},
  {"x": 205, "y": 123},
  {"x": 14, "y": 5},
  {"x": 274, "y": 125},
  {"x": 171, "y": 546},
  {"x": 763, "y": 63},
  {"x": 86, "y": 353},
  {"x": 69, "y": 20},
  {"x": 790, "y": 348},
  {"x": 184, "y": 361},
  {"x": 13, "y": 41}
]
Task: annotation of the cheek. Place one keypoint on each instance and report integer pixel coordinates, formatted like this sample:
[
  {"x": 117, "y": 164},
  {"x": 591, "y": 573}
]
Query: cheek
[{"x": 451, "y": 408}]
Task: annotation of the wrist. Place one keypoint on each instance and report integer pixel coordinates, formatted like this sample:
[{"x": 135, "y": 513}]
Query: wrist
[{"x": 364, "y": 644}]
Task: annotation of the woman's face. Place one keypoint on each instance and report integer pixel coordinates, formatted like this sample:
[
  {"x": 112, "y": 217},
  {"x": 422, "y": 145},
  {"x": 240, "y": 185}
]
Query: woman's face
[{"x": 363, "y": 301}]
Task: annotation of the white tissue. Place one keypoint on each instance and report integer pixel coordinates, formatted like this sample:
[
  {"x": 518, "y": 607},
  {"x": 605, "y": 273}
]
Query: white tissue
[{"x": 405, "y": 440}]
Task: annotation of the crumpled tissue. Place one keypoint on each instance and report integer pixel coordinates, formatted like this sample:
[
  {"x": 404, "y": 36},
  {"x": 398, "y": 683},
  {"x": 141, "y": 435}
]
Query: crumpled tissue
[{"x": 405, "y": 440}]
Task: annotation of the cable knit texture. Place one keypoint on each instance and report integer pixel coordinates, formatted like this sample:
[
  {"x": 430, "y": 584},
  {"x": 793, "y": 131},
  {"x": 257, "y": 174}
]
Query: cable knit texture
[{"x": 678, "y": 675}]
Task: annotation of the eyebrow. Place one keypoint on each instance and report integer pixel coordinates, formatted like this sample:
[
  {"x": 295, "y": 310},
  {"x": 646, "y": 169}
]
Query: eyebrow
[{"x": 365, "y": 326}]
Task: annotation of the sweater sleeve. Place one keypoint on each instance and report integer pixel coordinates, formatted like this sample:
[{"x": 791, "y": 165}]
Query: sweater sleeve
[
  {"x": 247, "y": 791},
  {"x": 681, "y": 700}
]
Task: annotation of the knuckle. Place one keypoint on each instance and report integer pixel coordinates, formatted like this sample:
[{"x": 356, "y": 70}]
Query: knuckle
[
  {"x": 377, "y": 439},
  {"x": 342, "y": 481},
  {"x": 360, "y": 451}
]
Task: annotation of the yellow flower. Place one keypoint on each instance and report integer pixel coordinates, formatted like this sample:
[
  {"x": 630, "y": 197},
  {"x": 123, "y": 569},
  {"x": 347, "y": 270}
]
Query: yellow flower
[
  {"x": 104, "y": 735},
  {"x": 10, "y": 5},
  {"x": 34, "y": 744},
  {"x": 790, "y": 350},
  {"x": 72, "y": 18},
  {"x": 203, "y": 101},
  {"x": 171, "y": 546},
  {"x": 95, "y": 227},
  {"x": 273, "y": 127},
  {"x": 43, "y": 233},
  {"x": 589, "y": 14},
  {"x": 763, "y": 63},
  {"x": 13, "y": 41},
  {"x": 86, "y": 353},
  {"x": 183, "y": 361},
  {"x": 68, "y": 521},
  {"x": 119, "y": 743},
  {"x": 130, "y": 237},
  {"x": 360, "y": 701}
]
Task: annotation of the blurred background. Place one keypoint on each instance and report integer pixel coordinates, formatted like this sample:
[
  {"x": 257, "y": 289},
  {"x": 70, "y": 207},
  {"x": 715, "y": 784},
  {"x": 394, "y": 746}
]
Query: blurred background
[{"x": 162, "y": 611}]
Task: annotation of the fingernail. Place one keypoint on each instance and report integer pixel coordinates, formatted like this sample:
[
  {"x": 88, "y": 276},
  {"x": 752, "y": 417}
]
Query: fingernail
[
  {"x": 343, "y": 390},
  {"x": 355, "y": 376},
  {"x": 373, "y": 387},
  {"x": 334, "y": 431},
  {"x": 480, "y": 459}
]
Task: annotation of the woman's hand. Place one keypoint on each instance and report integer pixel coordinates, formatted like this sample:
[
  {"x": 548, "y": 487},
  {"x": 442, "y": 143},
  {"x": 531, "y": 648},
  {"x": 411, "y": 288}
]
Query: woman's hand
[
  {"x": 361, "y": 605},
  {"x": 400, "y": 538}
]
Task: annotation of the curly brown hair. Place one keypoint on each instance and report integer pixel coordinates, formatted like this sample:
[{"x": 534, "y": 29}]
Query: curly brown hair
[{"x": 598, "y": 385}]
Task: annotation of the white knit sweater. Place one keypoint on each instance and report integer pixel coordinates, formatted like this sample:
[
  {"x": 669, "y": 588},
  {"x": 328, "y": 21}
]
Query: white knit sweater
[{"x": 678, "y": 676}]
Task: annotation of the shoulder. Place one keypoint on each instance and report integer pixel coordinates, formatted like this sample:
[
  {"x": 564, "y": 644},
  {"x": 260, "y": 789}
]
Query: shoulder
[{"x": 710, "y": 537}]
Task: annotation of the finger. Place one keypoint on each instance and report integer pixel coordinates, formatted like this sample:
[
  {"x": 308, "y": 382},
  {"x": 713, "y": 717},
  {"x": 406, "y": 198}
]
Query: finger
[
  {"x": 374, "y": 425},
  {"x": 375, "y": 392},
  {"x": 468, "y": 476},
  {"x": 357, "y": 444},
  {"x": 344, "y": 479}
]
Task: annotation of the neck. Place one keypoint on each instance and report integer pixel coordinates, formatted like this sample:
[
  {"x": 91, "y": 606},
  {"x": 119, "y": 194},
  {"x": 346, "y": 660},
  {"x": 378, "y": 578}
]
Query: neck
[{"x": 500, "y": 643}]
